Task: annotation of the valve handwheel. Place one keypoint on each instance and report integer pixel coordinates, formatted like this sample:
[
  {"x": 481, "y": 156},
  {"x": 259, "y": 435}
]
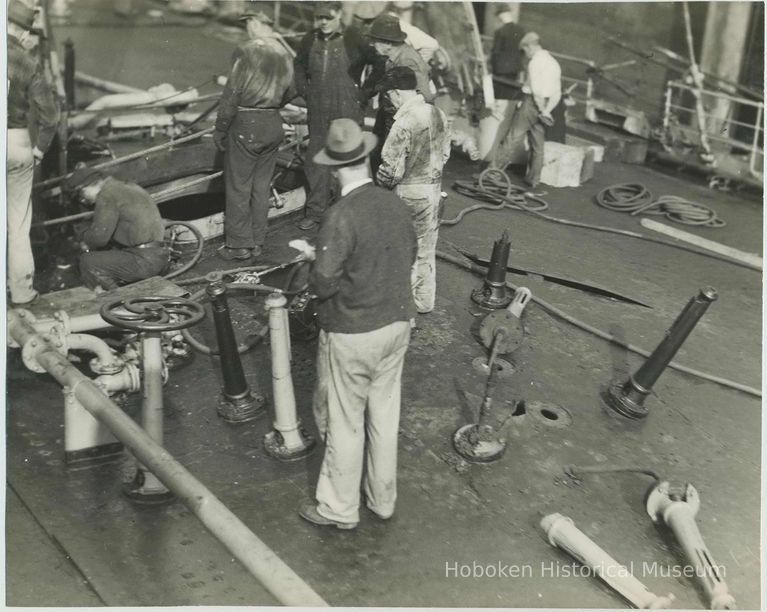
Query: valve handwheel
[{"x": 152, "y": 313}]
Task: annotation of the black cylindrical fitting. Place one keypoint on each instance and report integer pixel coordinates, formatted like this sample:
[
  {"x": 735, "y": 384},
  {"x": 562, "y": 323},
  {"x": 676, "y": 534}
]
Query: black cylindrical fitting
[
  {"x": 499, "y": 260},
  {"x": 628, "y": 398},
  {"x": 69, "y": 73},
  {"x": 235, "y": 385}
]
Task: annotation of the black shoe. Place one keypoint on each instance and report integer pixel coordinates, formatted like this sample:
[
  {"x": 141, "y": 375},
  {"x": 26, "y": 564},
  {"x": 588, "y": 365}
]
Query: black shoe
[
  {"x": 308, "y": 511},
  {"x": 228, "y": 253},
  {"x": 307, "y": 224}
]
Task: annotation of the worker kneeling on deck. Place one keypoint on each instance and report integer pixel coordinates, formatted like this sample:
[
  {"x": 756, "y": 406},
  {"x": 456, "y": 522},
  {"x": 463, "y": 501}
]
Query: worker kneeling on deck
[
  {"x": 416, "y": 150},
  {"x": 125, "y": 239},
  {"x": 365, "y": 249}
]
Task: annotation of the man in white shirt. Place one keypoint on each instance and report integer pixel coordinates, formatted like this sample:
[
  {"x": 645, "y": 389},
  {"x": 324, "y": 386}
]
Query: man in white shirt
[{"x": 541, "y": 93}]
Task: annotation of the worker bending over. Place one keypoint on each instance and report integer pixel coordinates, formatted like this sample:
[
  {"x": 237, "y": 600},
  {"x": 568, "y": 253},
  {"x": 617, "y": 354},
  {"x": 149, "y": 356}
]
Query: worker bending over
[
  {"x": 415, "y": 152},
  {"x": 365, "y": 249},
  {"x": 124, "y": 242},
  {"x": 541, "y": 93},
  {"x": 249, "y": 130}
]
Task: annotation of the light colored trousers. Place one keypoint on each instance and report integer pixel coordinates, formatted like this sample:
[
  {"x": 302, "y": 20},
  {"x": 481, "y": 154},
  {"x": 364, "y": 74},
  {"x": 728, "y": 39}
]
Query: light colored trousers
[
  {"x": 423, "y": 202},
  {"x": 357, "y": 396},
  {"x": 20, "y": 173}
]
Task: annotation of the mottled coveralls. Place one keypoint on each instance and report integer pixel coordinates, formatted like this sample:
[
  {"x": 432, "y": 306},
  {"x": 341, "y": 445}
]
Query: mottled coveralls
[{"x": 413, "y": 157}]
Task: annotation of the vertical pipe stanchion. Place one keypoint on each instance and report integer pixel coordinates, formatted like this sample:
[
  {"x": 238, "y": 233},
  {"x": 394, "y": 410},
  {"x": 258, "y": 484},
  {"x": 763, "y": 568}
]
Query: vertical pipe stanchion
[
  {"x": 287, "y": 441},
  {"x": 145, "y": 486},
  {"x": 238, "y": 404},
  {"x": 69, "y": 73},
  {"x": 493, "y": 292},
  {"x": 628, "y": 398}
]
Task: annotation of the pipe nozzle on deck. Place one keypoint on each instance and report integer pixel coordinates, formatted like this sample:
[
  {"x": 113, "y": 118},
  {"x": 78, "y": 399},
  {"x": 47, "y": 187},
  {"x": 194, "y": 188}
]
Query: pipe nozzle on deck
[
  {"x": 627, "y": 399},
  {"x": 494, "y": 293}
]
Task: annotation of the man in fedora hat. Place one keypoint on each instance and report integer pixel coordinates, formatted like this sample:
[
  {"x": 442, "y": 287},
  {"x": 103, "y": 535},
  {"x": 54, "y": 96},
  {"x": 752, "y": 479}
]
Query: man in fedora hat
[
  {"x": 124, "y": 242},
  {"x": 416, "y": 150},
  {"x": 361, "y": 276},
  {"x": 328, "y": 65},
  {"x": 388, "y": 40},
  {"x": 32, "y": 109},
  {"x": 249, "y": 131}
]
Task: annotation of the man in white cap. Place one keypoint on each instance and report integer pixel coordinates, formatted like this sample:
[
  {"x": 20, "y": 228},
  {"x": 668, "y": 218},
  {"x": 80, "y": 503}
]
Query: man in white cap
[
  {"x": 31, "y": 104},
  {"x": 542, "y": 91},
  {"x": 365, "y": 249}
]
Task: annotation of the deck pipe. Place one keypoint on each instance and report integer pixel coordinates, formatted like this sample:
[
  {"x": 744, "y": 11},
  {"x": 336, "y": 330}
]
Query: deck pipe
[
  {"x": 238, "y": 404},
  {"x": 69, "y": 73},
  {"x": 677, "y": 510},
  {"x": 146, "y": 487},
  {"x": 628, "y": 398},
  {"x": 273, "y": 573},
  {"x": 562, "y": 533},
  {"x": 287, "y": 441},
  {"x": 493, "y": 292}
]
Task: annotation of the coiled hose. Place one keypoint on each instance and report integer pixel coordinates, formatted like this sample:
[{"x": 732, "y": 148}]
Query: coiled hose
[
  {"x": 494, "y": 186},
  {"x": 635, "y": 198},
  {"x": 553, "y": 310}
]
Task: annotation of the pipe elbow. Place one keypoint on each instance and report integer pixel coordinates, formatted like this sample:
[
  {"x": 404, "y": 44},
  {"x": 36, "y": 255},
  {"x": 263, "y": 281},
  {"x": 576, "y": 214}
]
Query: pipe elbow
[{"x": 106, "y": 361}]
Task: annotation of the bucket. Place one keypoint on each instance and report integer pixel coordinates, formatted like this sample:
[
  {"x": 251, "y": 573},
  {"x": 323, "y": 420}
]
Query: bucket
[{"x": 634, "y": 151}]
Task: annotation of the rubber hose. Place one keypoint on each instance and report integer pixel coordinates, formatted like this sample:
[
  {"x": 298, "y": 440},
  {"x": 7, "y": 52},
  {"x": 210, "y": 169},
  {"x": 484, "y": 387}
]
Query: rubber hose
[
  {"x": 241, "y": 348},
  {"x": 553, "y": 310},
  {"x": 198, "y": 253},
  {"x": 635, "y": 198},
  {"x": 473, "y": 191}
]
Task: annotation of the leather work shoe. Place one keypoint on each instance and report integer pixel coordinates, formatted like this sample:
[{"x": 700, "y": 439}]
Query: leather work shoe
[
  {"x": 380, "y": 517},
  {"x": 228, "y": 253},
  {"x": 308, "y": 511},
  {"x": 307, "y": 224}
]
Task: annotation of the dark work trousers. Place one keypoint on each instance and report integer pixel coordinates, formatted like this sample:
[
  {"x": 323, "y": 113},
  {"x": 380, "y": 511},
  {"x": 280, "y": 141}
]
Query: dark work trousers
[
  {"x": 251, "y": 156},
  {"x": 112, "y": 268},
  {"x": 525, "y": 121},
  {"x": 558, "y": 131}
]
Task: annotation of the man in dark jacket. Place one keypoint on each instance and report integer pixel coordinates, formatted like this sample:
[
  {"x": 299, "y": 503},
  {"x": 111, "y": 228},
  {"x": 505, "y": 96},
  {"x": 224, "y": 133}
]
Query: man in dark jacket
[
  {"x": 125, "y": 239},
  {"x": 328, "y": 67},
  {"x": 365, "y": 249},
  {"x": 31, "y": 103}
]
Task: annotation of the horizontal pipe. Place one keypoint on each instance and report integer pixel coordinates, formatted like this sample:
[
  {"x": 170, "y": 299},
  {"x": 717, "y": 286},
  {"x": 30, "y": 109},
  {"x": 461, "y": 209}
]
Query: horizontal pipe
[
  {"x": 91, "y": 322},
  {"x": 110, "y": 86},
  {"x": 275, "y": 575}
]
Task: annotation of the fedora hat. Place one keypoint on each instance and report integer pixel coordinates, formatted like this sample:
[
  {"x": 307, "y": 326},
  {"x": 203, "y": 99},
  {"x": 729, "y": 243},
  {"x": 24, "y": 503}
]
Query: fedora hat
[
  {"x": 386, "y": 27},
  {"x": 346, "y": 143},
  {"x": 21, "y": 14}
]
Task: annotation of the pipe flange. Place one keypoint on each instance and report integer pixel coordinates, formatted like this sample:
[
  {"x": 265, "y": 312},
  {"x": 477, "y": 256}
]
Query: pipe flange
[
  {"x": 504, "y": 369},
  {"x": 551, "y": 415},
  {"x": 26, "y": 316},
  {"x": 478, "y": 446},
  {"x": 52, "y": 340},
  {"x": 275, "y": 447},
  {"x": 99, "y": 368}
]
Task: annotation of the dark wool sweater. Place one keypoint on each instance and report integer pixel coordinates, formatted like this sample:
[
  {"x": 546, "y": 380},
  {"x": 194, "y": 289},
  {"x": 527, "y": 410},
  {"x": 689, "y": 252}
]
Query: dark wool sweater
[{"x": 365, "y": 249}]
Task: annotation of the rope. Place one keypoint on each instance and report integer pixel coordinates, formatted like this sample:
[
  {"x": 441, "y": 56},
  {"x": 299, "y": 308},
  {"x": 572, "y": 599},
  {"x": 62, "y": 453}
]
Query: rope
[
  {"x": 635, "y": 198},
  {"x": 518, "y": 200},
  {"x": 553, "y": 310}
]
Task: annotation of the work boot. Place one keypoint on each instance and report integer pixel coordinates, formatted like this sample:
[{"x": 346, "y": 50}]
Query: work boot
[
  {"x": 307, "y": 224},
  {"x": 308, "y": 511},
  {"x": 228, "y": 253}
]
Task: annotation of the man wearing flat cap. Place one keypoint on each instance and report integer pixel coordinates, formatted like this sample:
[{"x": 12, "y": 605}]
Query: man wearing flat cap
[
  {"x": 249, "y": 131},
  {"x": 361, "y": 276},
  {"x": 328, "y": 66},
  {"x": 541, "y": 93},
  {"x": 124, "y": 242},
  {"x": 32, "y": 109},
  {"x": 388, "y": 39},
  {"x": 412, "y": 159}
]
